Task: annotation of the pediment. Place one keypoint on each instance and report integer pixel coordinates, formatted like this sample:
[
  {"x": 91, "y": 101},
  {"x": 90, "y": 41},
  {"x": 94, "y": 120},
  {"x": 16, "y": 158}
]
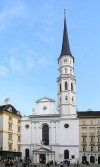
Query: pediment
[
  {"x": 43, "y": 150},
  {"x": 45, "y": 99}
]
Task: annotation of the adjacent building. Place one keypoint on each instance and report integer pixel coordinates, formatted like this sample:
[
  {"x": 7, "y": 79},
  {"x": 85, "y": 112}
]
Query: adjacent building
[
  {"x": 10, "y": 132},
  {"x": 49, "y": 135},
  {"x": 89, "y": 136}
]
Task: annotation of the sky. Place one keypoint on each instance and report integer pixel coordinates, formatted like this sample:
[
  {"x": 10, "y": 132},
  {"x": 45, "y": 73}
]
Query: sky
[{"x": 30, "y": 43}]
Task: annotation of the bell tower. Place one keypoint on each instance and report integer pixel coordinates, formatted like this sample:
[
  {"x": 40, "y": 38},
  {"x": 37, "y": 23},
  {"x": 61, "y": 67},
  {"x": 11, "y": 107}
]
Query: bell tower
[{"x": 66, "y": 81}]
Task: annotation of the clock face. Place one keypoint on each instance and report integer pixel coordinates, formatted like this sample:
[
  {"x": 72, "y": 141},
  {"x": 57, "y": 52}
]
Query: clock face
[
  {"x": 66, "y": 125},
  {"x": 44, "y": 107}
]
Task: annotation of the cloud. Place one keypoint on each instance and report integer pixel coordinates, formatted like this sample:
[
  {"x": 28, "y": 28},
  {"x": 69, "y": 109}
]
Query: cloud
[
  {"x": 9, "y": 11},
  {"x": 29, "y": 63},
  {"x": 3, "y": 70},
  {"x": 15, "y": 64},
  {"x": 42, "y": 61}
]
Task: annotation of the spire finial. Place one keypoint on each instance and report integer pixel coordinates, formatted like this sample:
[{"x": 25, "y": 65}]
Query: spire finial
[{"x": 64, "y": 13}]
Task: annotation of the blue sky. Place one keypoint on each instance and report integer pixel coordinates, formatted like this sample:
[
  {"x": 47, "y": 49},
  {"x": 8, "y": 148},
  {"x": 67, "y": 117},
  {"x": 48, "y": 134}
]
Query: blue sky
[{"x": 30, "y": 44}]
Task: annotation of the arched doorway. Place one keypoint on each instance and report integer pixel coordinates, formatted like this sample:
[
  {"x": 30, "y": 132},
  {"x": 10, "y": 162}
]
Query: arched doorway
[
  {"x": 84, "y": 159},
  {"x": 42, "y": 158},
  {"x": 26, "y": 153},
  {"x": 92, "y": 159},
  {"x": 66, "y": 154}
]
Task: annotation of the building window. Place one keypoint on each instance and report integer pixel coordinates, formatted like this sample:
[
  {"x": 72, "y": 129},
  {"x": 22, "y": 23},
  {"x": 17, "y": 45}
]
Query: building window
[
  {"x": 70, "y": 71},
  {"x": 66, "y": 98},
  {"x": 72, "y": 156},
  {"x": 10, "y": 147},
  {"x": 65, "y": 70},
  {"x": 10, "y": 136},
  {"x": 18, "y": 148},
  {"x": 45, "y": 134},
  {"x": 92, "y": 139},
  {"x": 83, "y": 122},
  {"x": 84, "y": 130},
  {"x": 98, "y": 122},
  {"x": 98, "y": 139},
  {"x": 60, "y": 100},
  {"x": 19, "y": 138},
  {"x": 66, "y": 86},
  {"x": 10, "y": 118},
  {"x": 99, "y": 148},
  {"x": 19, "y": 129},
  {"x": 98, "y": 130},
  {"x": 84, "y": 138},
  {"x": 92, "y": 130},
  {"x": 91, "y": 122},
  {"x": 72, "y": 86},
  {"x": 10, "y": 126},
  {"x": 92, "y": 148},
  {"x": 65, "y": 60},
  {"x": 84, "y": 148},
  {"x": 72, "y": 98},
  {"x": 19, "y": 121},
  {"x": 60, "y": 87},
  {"x": 66, "y": 154},
  {"x": 26, "y": 153}
]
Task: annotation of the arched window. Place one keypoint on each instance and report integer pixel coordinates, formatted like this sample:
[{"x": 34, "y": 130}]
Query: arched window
[
  {"x": 70, "y": 71},
  {"x": 60, "y": 87},
  {"x": 66, "y": 154},
  {"x": 72, "y": 98},
  {"x": 65, "y": 60},
  {"x": 26, "y": 153},
  {"x": 92, "y": 159},
  {"x": 45, "y": 134},
  {"x": 66, "y": 86},
  {"x": 66, "y": 98},
  {"x": 65, "y": 70},
  {"x": 72, "y": 86}
]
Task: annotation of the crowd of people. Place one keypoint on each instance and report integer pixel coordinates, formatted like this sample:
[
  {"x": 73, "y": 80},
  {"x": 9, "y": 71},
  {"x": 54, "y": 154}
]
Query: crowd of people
[{"x": 15, "y": 163}]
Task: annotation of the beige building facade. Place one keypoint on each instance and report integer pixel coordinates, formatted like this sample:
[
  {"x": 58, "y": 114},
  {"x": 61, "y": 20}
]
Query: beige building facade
[
  {"x": 10, "y": 132},
  {"x": 89, "y": 137}
]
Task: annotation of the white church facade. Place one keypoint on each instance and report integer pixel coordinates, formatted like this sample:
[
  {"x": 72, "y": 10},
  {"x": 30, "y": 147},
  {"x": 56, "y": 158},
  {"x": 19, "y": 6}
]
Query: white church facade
[{"x": 49, "y": 135}]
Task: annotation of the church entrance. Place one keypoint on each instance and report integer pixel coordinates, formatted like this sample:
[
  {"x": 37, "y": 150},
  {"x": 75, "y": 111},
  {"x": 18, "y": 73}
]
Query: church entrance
[{"x": 42, "y": 158}]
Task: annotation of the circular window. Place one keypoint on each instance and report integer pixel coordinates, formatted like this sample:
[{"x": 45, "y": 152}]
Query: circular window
[
  {"x": 27, "y": 126},
  {"x": 44, "y": 107},
  {"x": 66, "y": 125}
]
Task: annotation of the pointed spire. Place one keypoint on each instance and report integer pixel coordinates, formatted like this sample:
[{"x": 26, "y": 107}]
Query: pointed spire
[{"x": 65, "y": 44}]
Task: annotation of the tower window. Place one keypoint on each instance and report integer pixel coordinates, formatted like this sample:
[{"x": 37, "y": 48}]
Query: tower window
[
  {"x": 66, "y": 86},
  {"x": 72, "y": 98},
  {"x": 65, "y": 60},
  {"x": 60, "y": 87},
  {"x": 66, "y": 98},
  {"x": 70, "y": 71},
  {"x": 65, "y": 70},
  {"x": 72, "y": 86},
  {"x": 60, "y": 99}
]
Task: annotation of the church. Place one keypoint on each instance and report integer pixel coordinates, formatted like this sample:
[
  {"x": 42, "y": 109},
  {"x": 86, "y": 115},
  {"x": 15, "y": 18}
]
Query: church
[{"x": 49, "y": 135}]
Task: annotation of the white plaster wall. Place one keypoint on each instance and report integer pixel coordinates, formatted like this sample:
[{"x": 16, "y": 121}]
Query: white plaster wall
[{"x": 48, "y": 104}]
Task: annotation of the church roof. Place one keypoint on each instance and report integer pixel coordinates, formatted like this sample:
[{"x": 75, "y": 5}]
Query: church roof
[{"x": 65, "y": 43}]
